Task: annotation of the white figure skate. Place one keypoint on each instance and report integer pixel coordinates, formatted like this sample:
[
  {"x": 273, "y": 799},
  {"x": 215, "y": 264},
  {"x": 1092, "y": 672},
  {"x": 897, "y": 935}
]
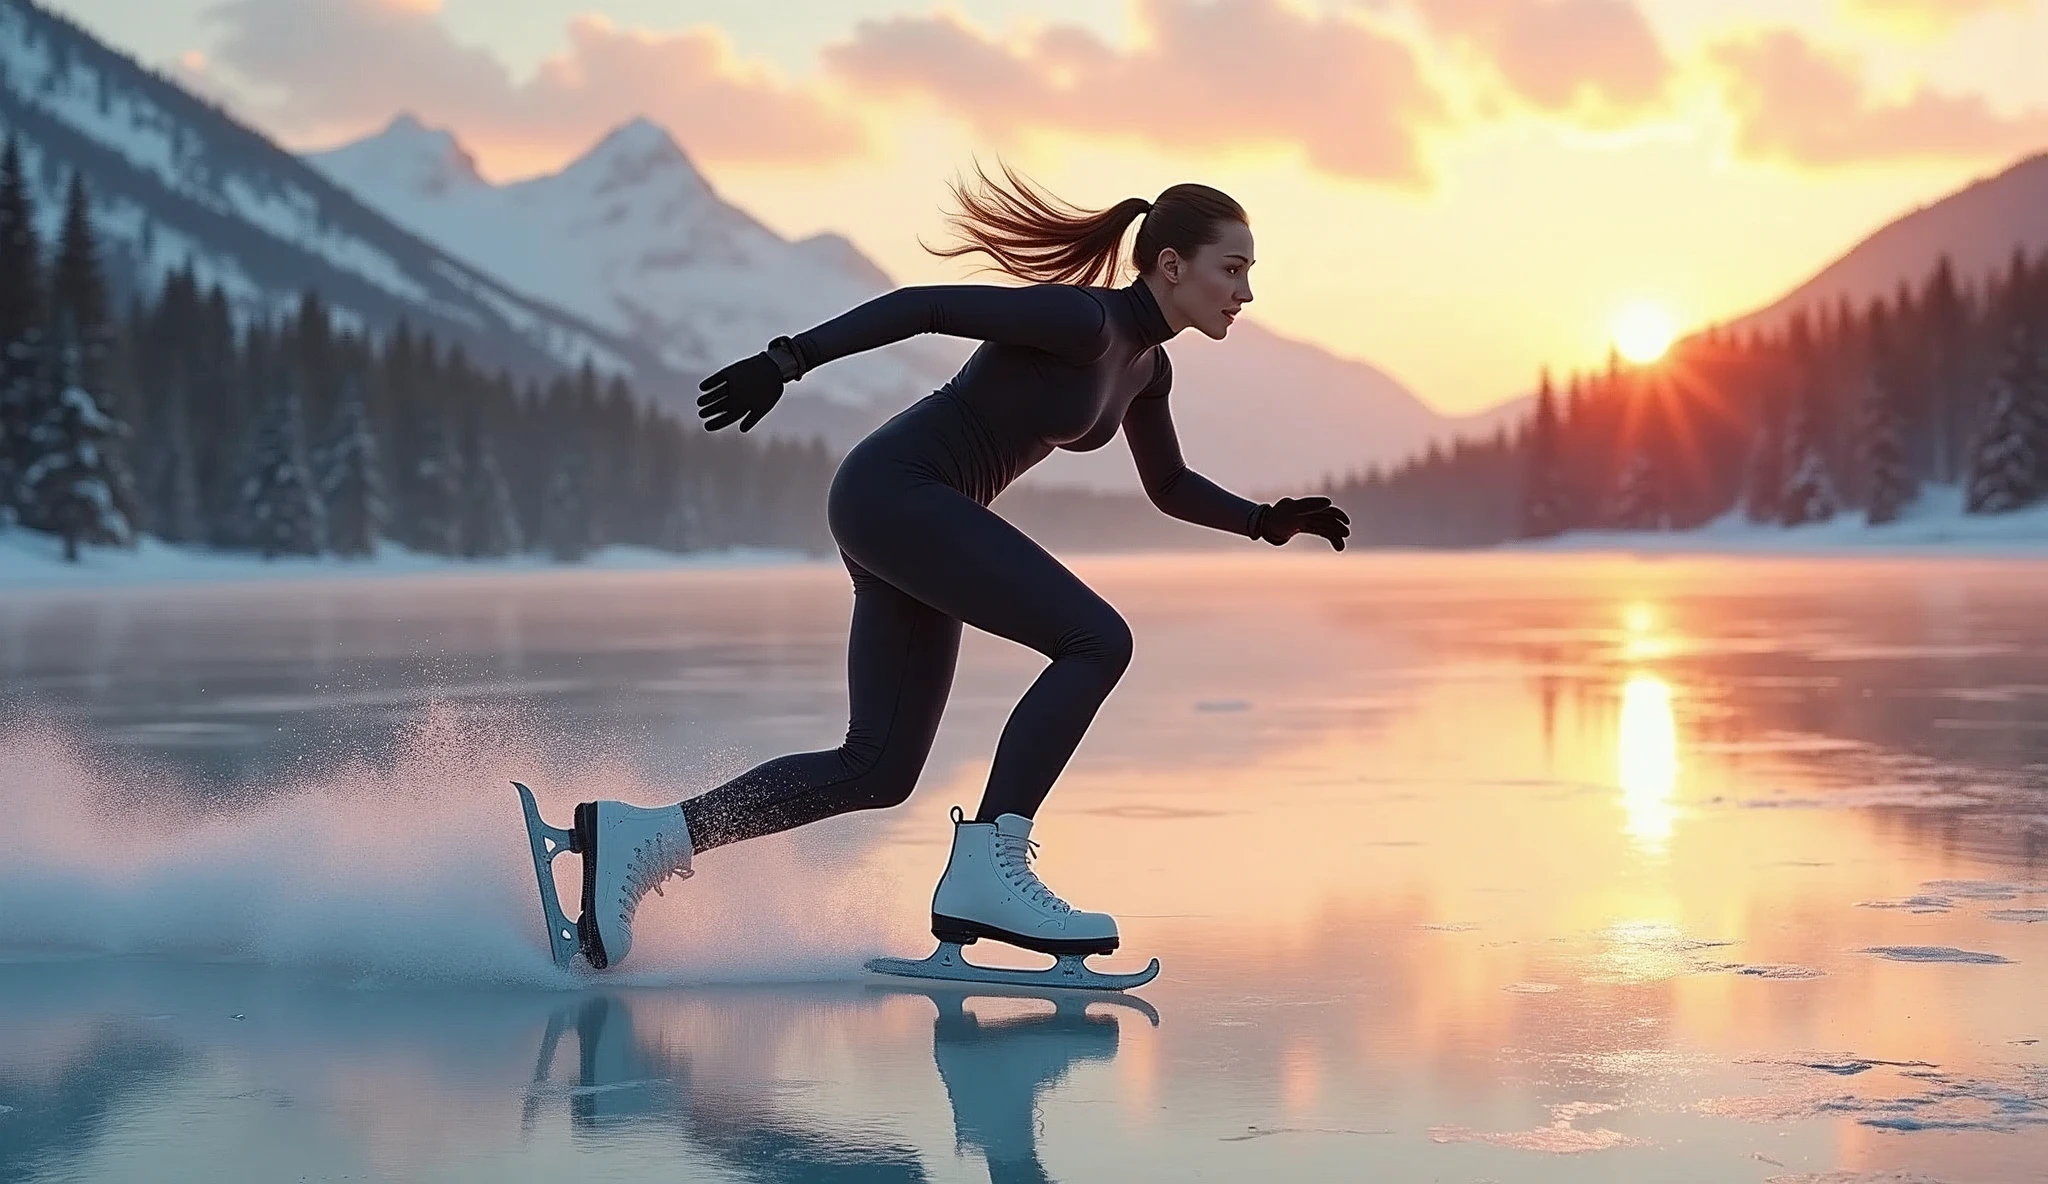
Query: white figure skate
[
  {"x": 626, "y": 851},
  {"x": 989, "y": 890}
]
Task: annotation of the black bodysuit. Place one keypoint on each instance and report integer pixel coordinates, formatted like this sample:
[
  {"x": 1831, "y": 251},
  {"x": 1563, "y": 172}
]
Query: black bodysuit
[{"x": 1061, "y": 366}]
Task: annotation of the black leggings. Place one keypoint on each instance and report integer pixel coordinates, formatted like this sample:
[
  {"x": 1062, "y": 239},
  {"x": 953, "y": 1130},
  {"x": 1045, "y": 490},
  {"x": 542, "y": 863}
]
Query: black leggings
[{"x": 909, "y": 510}]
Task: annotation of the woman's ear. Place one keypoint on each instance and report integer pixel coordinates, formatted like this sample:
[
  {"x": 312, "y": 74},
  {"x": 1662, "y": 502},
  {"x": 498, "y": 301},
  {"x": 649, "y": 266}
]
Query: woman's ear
[{"x": 1170, "y": 264}]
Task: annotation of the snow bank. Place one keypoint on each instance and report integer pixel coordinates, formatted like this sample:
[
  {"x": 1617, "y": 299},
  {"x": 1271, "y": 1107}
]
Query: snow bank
[
  {"x": 29, "y": 559},
  {"x": 1934, "y": 523}
]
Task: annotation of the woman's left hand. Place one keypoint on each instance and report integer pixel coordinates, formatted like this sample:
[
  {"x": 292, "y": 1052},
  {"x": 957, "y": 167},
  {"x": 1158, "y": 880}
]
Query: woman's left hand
[{"x": 1312, "y": 515}]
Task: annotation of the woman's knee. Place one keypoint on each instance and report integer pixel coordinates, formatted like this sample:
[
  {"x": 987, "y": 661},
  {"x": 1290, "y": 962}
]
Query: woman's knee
[
  {"x": 1103, "y": 639},
  {"x": 881, "y": 776}
]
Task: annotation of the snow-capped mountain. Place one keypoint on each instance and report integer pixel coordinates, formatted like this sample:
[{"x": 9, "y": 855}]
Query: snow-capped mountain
[
  {"x": 632, "y": 237},
  {"x": 175, "y": 182}
]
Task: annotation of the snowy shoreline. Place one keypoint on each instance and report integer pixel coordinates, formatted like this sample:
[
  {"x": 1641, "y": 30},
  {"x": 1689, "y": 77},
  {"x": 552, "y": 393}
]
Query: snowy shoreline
[
  {"x": 30, "y": 561},
  {"x": 1935, "y": 526}
]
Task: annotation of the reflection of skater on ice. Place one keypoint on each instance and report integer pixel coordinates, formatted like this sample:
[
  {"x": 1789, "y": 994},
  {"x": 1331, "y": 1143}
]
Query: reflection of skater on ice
[
  {"x": 1065, "y": 361},
  {"x": 622, "y": 1078},
  {"x": 996, "y": 1072}
]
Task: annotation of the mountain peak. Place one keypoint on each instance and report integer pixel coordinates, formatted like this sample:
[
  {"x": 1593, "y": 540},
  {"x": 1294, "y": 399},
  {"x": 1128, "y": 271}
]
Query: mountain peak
[
  {"x": 408, "y": 156},
  {"x": 637, "y": 151}
]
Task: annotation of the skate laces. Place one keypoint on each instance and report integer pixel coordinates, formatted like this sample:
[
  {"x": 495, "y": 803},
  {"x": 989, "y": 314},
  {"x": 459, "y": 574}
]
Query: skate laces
[
  {"x": 1014, "y": 855},
  {"x": 655, "y": 859}
]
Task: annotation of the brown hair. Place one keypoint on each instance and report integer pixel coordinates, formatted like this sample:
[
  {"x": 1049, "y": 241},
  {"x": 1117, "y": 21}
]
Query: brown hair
[{"x": 1035, "y": 236}]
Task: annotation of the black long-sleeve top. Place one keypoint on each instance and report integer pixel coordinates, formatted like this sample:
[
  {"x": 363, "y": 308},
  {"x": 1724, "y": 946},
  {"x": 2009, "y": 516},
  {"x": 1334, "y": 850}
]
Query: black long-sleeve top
[{"x": 1060, "y": 366}]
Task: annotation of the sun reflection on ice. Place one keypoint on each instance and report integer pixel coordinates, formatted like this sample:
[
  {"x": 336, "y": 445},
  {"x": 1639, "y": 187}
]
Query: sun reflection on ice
[{"x": 1647, "y": 760}]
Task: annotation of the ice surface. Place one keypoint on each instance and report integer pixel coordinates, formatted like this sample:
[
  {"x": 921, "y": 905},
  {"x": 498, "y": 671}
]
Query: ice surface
[{"x": 268, "y": 910}]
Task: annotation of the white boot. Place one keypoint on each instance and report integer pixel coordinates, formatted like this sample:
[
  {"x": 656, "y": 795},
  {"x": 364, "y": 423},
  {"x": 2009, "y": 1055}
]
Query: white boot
[
  {"x": 989, "y": 890},
  {"x": 626, "y": 851}
]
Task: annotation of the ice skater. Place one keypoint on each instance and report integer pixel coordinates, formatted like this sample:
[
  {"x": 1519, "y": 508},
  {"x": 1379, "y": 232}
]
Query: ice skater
[{"x": 1065, "y": 361}]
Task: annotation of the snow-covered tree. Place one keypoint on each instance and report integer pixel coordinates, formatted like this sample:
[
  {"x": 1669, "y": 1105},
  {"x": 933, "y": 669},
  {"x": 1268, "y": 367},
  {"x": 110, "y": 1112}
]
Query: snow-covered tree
[
  {"x": 21, "y": 321},
  {"x": 281, "y": 512},
  {"x": 434, "y": 488},
  {"x": 1763, "y": 483},
  {"x": 1639, "y": 494},
  {"x": 490, "y": 521},
  {"x": 1810, "y": 494},
  {"x": 2005, "y": 468},
  {"x": 567, "y": 529},
  {"x": 1543, "y": 493},
  {"x": 349, "y": 477},
  {"x": 69, "y": 481},
  {"x": 1886, "y": 469}
]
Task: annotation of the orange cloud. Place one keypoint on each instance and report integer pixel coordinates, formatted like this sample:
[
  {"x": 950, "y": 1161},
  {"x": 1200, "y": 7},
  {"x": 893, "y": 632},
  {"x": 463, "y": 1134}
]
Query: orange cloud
[
  {"x": 1795, "y": 103},
  {"x": 1596, "y": 61},
  {"x": 1927, "y": 18},
  {"x": 321, "y": 68},
  {"x": 1203, "y": 76}
]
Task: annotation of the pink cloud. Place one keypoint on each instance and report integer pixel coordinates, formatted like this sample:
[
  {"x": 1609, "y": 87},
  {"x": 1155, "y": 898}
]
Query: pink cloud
[
  {"x": 314, "y": 69},
  {"x": 1595, "y": 60},
  {"x": 1798, "y": 104},
  {"x": 1202, "y": 76}
]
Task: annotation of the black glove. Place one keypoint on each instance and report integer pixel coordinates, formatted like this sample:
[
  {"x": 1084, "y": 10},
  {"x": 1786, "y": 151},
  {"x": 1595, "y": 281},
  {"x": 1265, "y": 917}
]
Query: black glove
[
  {"x": 1292, "y": 515},
  {"x": 742, "y": 392}
]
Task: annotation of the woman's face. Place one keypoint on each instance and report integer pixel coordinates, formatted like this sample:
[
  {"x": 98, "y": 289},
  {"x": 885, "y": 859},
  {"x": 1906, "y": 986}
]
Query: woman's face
[{"x": 1206, "y": 290}]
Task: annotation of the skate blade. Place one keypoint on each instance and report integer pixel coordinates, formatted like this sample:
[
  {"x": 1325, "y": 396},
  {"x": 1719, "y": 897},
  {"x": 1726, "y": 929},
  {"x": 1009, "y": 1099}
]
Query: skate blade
[
  {"x": 548, "y": 842},
  {"x": 949, "y": 964},
  {"x": 1065, "y": 1000}
]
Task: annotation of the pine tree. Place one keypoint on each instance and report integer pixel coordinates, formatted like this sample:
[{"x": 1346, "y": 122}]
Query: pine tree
[
  {"x": 166, "y": 454},
  {"x": 21, "y": 284},
  {"x": 350, "y": 477},
  {"x": 490, "y": 522},
  {"x": 68, "y": 486},
  {"x": 173, "y": 498},
  {"x": 568, "y": 521},
  {"x": 78, "y": 300},
  {"x": 1543, "y": 511},
  {"x": 78, "y": 292},
  {"x": 1639, "y": 495},
  {"x": 21, "y": 322},
  {"x": 2005, "y": 470},
  {"x": 566, "y": 528},
  {"x": 281, "y": 512},
  {"x": 436, "y": 480},
  {"x": 1888, "y": 474},
  {"x": 1949, "y": 392},
  {"x": 1809, "y": 491},
  {"x": 1764, "y": 481}
]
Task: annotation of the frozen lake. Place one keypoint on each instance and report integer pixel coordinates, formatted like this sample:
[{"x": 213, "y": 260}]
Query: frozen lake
[{"x": 1461, "y": 868}]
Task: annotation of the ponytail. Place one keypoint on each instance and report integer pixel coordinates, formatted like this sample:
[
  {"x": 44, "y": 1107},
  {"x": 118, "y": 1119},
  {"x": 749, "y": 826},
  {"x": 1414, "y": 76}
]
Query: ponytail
[{"x": 1034, "y": 236}]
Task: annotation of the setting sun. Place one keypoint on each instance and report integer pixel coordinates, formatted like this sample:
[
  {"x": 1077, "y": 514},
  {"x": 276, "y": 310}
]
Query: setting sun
[{"x": 1643, "y": 332}]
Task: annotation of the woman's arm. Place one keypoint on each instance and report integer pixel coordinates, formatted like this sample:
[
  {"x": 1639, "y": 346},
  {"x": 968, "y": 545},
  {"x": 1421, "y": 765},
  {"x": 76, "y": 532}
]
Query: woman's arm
[
  {"x": 1060, "y": 319},
  {"x": 1176, "y": 489}
]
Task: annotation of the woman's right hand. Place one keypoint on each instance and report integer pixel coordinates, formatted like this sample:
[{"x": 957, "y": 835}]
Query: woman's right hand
[
  {"x": 741, "y": 393},
  {"x": 1291, "y": 516}
]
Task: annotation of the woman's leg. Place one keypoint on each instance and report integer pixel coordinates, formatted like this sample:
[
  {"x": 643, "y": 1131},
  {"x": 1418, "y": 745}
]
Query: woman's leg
[
  {"x": 963, "y": 560},
  {"x": 900, "y": 656}
]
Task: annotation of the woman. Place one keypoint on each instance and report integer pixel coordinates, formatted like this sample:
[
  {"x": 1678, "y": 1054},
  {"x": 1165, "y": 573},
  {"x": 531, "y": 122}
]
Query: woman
[{"x": 1064, "y": 362}]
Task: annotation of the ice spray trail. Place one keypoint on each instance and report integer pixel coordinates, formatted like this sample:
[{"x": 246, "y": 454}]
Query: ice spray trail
[{"x": 412, "y": 869}]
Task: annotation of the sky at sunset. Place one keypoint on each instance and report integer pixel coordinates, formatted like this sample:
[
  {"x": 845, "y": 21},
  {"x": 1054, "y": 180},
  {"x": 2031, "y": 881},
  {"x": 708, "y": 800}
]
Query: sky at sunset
[{"x": 1458, "y": 191}]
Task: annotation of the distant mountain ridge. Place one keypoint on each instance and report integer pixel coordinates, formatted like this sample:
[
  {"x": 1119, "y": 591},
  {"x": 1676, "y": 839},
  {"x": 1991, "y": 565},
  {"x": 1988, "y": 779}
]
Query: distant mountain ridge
[
  {"x": 177, "y": 182},
  {"x": 631, "y": 236},
  {"x": 1976, "y": 227}
]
